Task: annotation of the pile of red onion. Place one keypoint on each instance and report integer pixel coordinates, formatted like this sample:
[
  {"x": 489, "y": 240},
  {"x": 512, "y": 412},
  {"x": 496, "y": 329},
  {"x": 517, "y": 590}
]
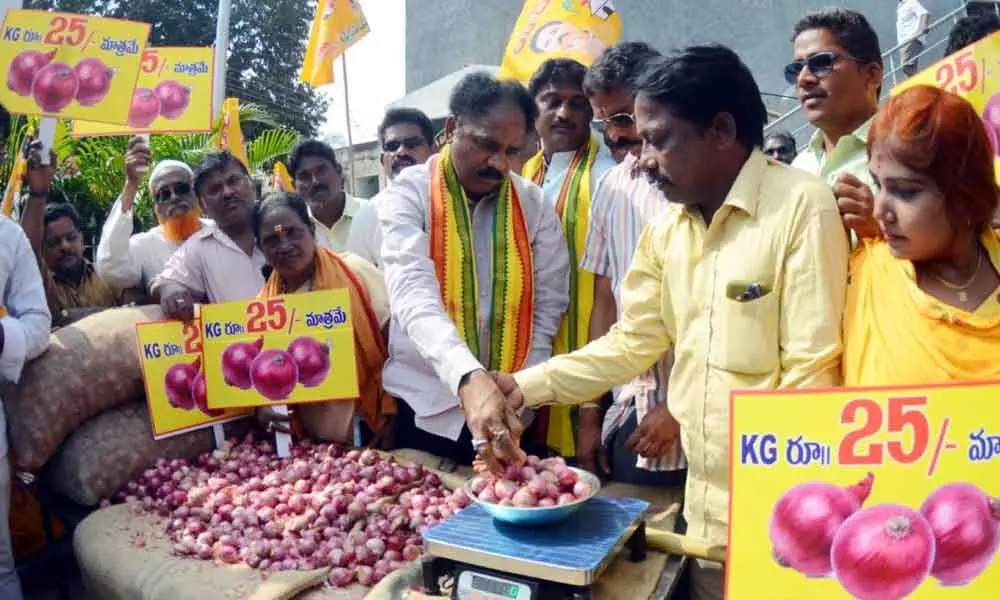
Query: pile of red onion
[
  {"x": 355, "y": 511},
  {"x": 540, "y": 482},
  {"x": 885, "y": 552}
]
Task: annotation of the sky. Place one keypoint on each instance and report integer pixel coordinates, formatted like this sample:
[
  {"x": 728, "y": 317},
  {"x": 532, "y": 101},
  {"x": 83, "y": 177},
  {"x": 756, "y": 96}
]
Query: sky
[{"x": 376, "y": 73}]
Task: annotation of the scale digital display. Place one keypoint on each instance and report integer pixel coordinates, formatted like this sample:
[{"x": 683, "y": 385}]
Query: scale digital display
[{"x": 479, "y": 585}]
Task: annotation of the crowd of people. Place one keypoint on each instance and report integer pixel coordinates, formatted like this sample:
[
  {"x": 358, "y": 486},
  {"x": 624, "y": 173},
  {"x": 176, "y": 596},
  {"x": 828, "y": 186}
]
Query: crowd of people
[{"x": 589, "y": 264}]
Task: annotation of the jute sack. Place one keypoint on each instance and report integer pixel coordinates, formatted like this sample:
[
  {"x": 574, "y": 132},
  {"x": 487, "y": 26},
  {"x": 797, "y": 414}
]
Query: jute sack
[
  {"x": 91, "y": 366},
  {"x": 100, "y": 457}
]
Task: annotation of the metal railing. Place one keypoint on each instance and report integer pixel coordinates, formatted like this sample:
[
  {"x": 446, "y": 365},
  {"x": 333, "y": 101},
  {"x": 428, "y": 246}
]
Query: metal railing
[{"x": 795, "y": 122}]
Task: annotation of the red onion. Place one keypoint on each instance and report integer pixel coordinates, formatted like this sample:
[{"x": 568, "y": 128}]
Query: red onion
[
  {"x": 883, "y": 553},
  {"x": 805, "y": 520},
  {"x": 966, "y": 526}
]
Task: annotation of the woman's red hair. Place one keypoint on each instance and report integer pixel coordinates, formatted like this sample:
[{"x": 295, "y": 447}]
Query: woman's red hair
[{"x": 941, "y": 135}]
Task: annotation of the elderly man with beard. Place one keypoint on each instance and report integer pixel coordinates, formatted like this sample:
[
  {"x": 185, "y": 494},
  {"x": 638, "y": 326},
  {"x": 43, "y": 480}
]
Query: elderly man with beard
[
  {"x": 477, "y": 271},
  {"x": 220, "y": 262},
  {"x": 319, "y": 179},
  {"x": 132, "y": 261},
  {"x": 72, "y": 286},
  {"x": 623, "y": 205},
  {"x": 407, "y": 138}
]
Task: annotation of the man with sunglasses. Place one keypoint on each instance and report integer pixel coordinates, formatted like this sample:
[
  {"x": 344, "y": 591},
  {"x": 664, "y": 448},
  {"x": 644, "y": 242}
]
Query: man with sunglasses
[
  {"x": 72, "y": 286},
  {"x": 623, "y": 205},
  {"x": 132, "y": 261},
  {"x": 610, "y": 93},
  {"x": 319, "y": 178},
  {"x": 220, "y": 262},
  {"x": 837, "y": 72},
  {"x": 407, "y": 138}
]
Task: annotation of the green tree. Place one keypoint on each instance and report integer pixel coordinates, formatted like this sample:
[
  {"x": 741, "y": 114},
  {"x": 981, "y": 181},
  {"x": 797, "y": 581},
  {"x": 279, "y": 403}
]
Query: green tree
[{"x": 266, "y": 47}]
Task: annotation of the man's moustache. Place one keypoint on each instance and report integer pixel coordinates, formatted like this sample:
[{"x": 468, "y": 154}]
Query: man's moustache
[
  {"x": 622, "y": 143},
  {"x": 490, "y": 173}
]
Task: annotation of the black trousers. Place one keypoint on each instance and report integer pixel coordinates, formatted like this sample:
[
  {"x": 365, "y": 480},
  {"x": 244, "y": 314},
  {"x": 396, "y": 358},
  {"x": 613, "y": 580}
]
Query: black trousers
[{"x": 622, "y": 462}]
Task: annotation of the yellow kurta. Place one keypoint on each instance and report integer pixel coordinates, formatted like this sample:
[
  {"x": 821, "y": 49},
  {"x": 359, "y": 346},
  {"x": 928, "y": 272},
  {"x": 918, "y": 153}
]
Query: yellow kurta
[
  {"x": 895, "y": 334},
  {"x": 778, "y": 227}
]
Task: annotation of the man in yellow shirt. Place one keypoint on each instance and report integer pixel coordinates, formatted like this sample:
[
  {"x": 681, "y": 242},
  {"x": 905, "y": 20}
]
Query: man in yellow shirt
[{"x": 743, "y": 275}]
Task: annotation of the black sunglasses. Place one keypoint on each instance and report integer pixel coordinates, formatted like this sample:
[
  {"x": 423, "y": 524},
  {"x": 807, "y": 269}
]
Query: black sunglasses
[
  {"x": 820, "y": 65},
  {"x": 616, "y": 120},
  {"x": 410, "y": 143},
  {"x": 168, "y": 192}
]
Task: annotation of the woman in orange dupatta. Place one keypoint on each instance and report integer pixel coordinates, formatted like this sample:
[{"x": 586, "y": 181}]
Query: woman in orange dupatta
[
  {"x": 285, "y": 234},
  {"x": 923, "y": 300}
]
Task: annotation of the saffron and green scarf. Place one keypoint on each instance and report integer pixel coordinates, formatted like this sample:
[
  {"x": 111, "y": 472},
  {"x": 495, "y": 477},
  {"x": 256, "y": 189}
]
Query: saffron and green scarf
[
  {"x": 573, "y": 208},
  {"x": 453, "y": 254}
]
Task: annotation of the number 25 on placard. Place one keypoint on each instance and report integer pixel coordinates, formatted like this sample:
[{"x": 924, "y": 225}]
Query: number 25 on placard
[
  {"x": 192, "y": 338},
  {"x": 67, "y": 31},
  {"x": 904, "y": 414},
  {"x": 261, "y": 315},
  {"x": 959, "y": 75}
]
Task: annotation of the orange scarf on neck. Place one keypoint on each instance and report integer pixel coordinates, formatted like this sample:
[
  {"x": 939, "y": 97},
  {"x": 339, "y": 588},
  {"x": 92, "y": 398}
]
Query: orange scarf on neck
[{"x": 332, "y": 273}]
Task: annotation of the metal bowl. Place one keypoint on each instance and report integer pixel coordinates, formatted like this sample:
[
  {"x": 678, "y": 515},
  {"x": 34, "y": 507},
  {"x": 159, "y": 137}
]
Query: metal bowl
[{"x": 539, "y": 515}]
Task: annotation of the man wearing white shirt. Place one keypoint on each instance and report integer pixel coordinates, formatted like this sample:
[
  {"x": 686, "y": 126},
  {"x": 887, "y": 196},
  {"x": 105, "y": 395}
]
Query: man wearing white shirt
[
  {"x": 221, "y": 262},
  {"x": 464, "y": 293},
  {"x": 911, "y": 28},
  {"x": 128, "y": 261},
  {"x": 407, "y": 138},
  {"x": 319, "y": 179},
  {"x": 24, "y": 334}
]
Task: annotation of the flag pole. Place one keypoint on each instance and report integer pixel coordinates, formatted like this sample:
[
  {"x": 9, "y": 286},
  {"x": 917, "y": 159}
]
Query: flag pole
[
  {"x": 221, "y": 50},
  {"x": 350, "y": 138}
]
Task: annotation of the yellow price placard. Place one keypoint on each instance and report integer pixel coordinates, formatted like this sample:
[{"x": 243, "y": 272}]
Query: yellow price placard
[
  {"x": 282, "y": 350},
  {"x": 170, "y": 354},
  {"x": 974, "y": 74},
  {"x": 70, "y": 66},
  {"x": 865, "y": 493},
  {"x": 173, "y": 95}
]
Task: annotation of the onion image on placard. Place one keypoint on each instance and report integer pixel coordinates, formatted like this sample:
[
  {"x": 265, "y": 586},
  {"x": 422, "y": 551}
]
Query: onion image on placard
[
  {"x": 312, "y": 358},
  {"x": 274, "y": 374},
  {"x": 22, "y": 70},
  {"x": 966, "y": 525},
  {"x": 991, "y": 119},
  {"x": 54, "y": 87},
  {"x": 805, "y": 520},
  {"x": 145, "y": 108},
  {"x": 236, "y": 361},
  {"x": 883, "y": 553},
  {"x": 173, "y": 97},
  {"x": 94, "y": 78}
]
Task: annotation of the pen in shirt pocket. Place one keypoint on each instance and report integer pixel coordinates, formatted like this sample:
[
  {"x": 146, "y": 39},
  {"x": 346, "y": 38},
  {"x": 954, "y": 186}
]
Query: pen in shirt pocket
[{"x": 746, "y": 292}]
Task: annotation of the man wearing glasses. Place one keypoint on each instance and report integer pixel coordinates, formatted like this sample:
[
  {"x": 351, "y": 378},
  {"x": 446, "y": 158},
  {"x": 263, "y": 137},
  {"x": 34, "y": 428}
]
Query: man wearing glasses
[
  {"x": 837, "y": 72},
  {"x": 407, "y": 138},
  {"x": 629, "y": 438},
  {"x": 132, "y": 261}
]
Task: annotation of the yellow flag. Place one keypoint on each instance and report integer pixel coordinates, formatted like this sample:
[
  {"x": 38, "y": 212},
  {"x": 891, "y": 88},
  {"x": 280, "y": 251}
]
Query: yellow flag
[
  {"x": 576, "y": 29},
  {"x": 17, "y": 173},
  {"x": 336, "y": 26},
  {"x": 280, "y": 179},
  {"x": 231, "y": 136}
]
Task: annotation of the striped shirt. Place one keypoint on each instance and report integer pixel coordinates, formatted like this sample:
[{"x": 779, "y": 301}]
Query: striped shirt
[{"x": 620, "y": 208}]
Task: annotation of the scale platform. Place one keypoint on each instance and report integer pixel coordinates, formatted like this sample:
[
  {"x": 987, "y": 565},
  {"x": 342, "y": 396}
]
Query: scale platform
[{"x": 491, "y": 559}]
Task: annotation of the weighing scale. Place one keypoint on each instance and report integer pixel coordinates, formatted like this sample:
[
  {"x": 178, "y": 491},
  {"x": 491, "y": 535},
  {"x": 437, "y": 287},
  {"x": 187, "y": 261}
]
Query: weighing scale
[{"x": 491, "y": 560}]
